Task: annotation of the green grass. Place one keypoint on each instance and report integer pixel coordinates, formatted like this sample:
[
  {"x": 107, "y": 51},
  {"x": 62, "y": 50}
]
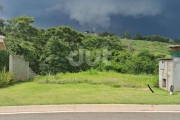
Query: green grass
[
  {"x": 154, "y": 47},
  {"x": 107, "y": 78},
  {"x": 86, "y": 88},
  {"x": 31, "y": 93}
]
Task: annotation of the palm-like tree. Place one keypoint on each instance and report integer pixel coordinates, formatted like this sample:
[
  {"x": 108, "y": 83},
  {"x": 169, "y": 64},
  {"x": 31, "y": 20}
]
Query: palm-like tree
[{"x": 1, "y": 21}]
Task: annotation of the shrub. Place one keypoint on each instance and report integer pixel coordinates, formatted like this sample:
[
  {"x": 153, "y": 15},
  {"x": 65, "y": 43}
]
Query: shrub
[
  {"x": 6, "y": 78},
  {"x": 93, "y": 71},
  {"x": 115, "y": 85},
  {"x": 4, "y": 59}
]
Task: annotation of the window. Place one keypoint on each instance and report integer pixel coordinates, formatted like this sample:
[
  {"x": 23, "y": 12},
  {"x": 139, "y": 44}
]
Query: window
[
  {"x": 164, "y": 83},
  {"x": 162, "y": 65}
]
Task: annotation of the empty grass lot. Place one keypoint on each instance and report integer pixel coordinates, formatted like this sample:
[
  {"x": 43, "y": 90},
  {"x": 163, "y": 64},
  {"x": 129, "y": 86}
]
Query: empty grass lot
[
  {"x": 99, "y": 88},
  {"x": 154, "y": 47}
]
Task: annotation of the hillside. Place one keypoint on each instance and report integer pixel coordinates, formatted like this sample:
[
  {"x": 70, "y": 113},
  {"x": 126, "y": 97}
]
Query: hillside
[{"x": 154, "y": 47}]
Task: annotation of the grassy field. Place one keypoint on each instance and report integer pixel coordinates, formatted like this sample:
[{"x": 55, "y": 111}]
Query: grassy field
[
  {"x": 86, "y": 88},
  {"x": 94, "y": 77},
  {"x": 31, "y": 93},
  {"x": 154, "y": 47}
]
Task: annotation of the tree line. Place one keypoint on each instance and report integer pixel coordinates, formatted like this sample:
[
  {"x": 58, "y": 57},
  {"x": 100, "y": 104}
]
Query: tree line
[
  {"x": 140, "y": 37},
  {"x": 48, "y": 50}
]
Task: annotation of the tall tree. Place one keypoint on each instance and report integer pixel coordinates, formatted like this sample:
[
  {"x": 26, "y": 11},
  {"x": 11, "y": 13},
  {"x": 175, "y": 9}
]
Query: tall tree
[
  {"x": 2, "y": 24},
  {"x": 127, "y": 35},
  {"x": 137, "y": 37},
  {"x": 20, "y": 38}
]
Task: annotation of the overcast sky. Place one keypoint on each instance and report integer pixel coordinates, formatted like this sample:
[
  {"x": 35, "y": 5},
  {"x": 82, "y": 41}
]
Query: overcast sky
[{"x": 147, "y": 17}]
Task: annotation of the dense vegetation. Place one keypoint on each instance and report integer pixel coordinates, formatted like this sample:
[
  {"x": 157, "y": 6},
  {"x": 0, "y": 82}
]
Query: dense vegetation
[
  {"x": 137, "y": 36},
  {"x": 48, "y": 50},
  {"x": 4, "y": 60},
  {"x": 152, "y": 38},
  {"x": 6, "y": 78}
]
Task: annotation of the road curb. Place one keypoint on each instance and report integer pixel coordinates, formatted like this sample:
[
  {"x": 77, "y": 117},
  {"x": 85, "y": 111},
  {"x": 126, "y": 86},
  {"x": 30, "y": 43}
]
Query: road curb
[{"x": 89, "y": 108}]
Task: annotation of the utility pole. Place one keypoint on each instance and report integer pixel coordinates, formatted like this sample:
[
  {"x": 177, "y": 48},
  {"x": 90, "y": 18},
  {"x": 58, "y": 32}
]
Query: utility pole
[
  {"x": 1, "y": 9},
  {"x": 94, "y": 30},
  {"x": 1, "y": 21}
]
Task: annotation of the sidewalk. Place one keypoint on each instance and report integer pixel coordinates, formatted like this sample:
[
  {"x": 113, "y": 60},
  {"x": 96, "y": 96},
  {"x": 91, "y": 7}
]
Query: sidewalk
[{"x": 89, "y": 108}]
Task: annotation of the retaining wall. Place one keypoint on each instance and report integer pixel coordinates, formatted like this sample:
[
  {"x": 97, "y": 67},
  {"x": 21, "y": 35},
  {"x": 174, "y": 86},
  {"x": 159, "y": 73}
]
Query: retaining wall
[{"x": 20, "y": 68}]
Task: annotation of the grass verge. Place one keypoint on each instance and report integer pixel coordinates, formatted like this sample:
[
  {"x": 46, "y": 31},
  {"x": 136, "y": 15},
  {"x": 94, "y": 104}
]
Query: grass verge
[
  {"x": 87, "y": 88},
  {"x": 31, "y": 93}
]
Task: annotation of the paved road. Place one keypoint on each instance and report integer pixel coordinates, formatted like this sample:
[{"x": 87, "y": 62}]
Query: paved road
[{"x": 94, "y": 116}]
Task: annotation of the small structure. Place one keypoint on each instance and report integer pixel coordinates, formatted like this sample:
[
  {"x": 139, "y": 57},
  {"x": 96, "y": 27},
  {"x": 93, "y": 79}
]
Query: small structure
[
  {"x": 2, "y": 43},
  {"x": 169, "y": 70},
  {"x": 20, "y": 68},
  {"x": 86, "y": 32},
  {"x": 90, "y": 32}
]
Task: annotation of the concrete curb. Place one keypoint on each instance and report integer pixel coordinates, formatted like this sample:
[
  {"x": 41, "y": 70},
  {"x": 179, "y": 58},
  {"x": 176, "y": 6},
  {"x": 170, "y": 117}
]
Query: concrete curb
[{"x": 89, "y": 108}]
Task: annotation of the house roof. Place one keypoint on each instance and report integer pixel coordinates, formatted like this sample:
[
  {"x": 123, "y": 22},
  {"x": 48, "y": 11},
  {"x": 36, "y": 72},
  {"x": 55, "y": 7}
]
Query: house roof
[
  {"x": 2, "y": 37},
  {"x": 174, "y": 46},
  {"x": 166, "y": 59}
]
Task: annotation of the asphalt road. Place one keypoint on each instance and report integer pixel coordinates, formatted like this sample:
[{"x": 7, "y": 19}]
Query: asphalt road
[{"x": 94, "y": 116}]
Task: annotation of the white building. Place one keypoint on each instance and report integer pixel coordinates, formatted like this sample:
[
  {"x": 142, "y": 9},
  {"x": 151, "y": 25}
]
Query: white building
[{"x": 169, "y": 70}]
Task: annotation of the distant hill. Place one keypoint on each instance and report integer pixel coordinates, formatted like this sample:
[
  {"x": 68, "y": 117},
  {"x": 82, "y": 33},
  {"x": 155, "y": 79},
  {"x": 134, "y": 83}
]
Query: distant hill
[{"x": 154, "y": 47}]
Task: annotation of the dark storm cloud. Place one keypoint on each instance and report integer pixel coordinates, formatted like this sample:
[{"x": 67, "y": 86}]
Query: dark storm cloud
[
  {"x": 98, "y": 12},
  {"x": 32, "y": 8},
  {"x": 144, "y": 16},
  {"x": 14, "y": 8},
  {"x": 86, "y": 12}
]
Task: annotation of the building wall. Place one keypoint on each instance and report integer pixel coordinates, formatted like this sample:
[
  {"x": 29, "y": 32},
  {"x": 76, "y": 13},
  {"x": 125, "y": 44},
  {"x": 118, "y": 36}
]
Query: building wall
[
  {"x": 176, "y": 74},
  {"x": 165, "y": 74},
  {"x": 20, "y": 68},
  {"x": 170, "y": 74}
]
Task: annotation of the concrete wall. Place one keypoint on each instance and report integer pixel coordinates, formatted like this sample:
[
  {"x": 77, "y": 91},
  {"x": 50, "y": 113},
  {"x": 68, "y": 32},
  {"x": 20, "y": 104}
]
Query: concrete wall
[
  {"x": 170, "y": 75},
  {"x": 31, "y": 73},
  {"x": 176, "y": 74},
  {"x": 20, "y": 68}
]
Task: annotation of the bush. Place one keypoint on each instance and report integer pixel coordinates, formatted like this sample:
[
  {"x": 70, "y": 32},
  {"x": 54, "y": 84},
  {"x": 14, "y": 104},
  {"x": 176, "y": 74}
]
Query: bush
[
  {"x": 145, "y": 62},
  {"x": 93, "y": 71},
  {"x": 6, "y": 78},
  {"x": 4, "y": 59}
]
